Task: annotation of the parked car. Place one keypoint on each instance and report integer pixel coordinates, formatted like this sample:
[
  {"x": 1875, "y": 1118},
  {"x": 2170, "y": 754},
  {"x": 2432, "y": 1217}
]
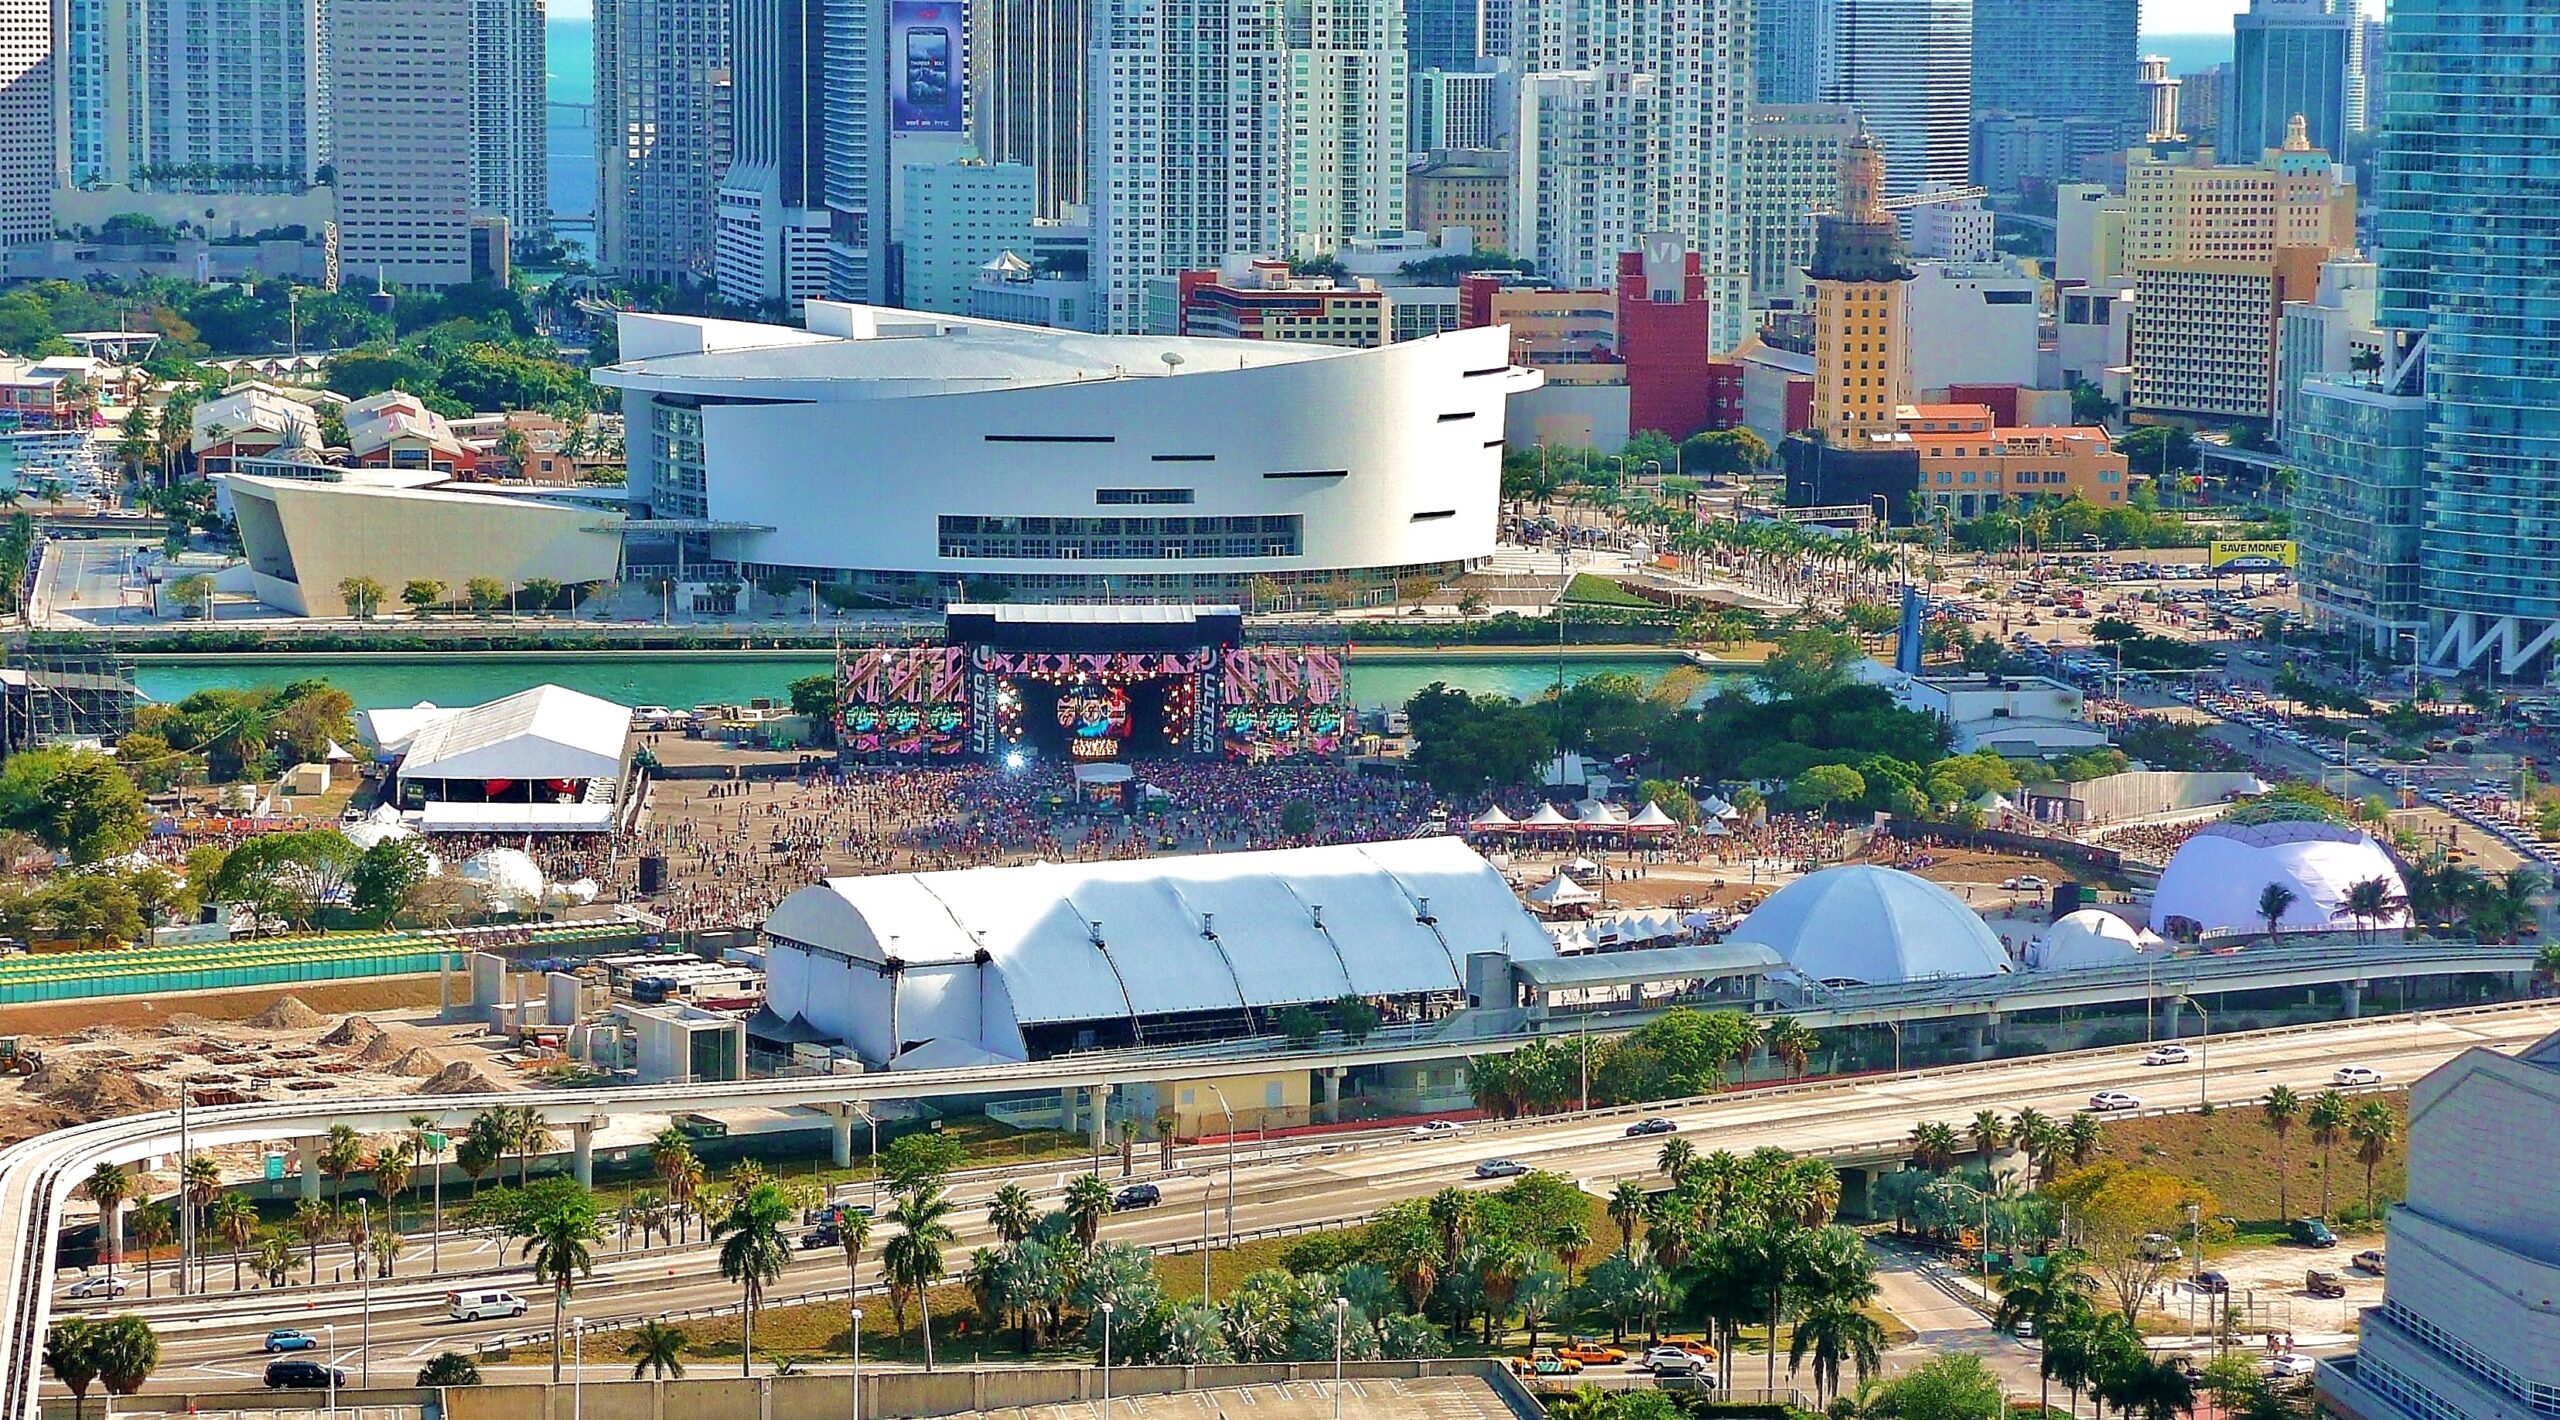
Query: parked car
[
  {"x": 2369, "y": 1260},
  {"x": 1592, "y": 1353},
  {"x": 2212, "y": 1284},
  {"x": 1500, "y": 1168},
  {"x": 285, "y": 1338},
  {"x": 1672, "y": 1361},
  {"x": 823, "y": 1235},
  {"x": 1655, "y": 1125},
  {"x": 1436, "y": 1129},
  {"x": 2293, "y": 1365},
  {"x": 2113, "y": 1101},
  {"x": 2323, "y": 1284},
  {"x": 2169, "y": 1055},
  {"x": 1543, "y": 1362},
  {"x": 2311, "y": 1232},
  {"x": 2160, "y": 1247},
  {"x": 1136, "y": 1195},
  {"x": 303, "y": 1375},
  {"x": 101, "y": 1285},
  {"x": 2356, "y": 1075}
]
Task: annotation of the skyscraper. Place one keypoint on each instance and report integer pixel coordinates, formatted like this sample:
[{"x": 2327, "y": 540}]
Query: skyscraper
[
  {"x": 234, "y": 86},
  {"x": 1446, "y": 34},
  {"x": 1188, "y": 131},
  {"x": 854, "y": 146},
  {"x": 1907, "y": 67},
  {"x": 1348, "y": 114},
  {"x": 772, "y": 213},
  {"x": 1679, "y": 72},
  {"x": 510, "y": 142},
  {"x": 2059, "y": 60},
  {"x": 1790, "y": 50},
  {"x": 2289, "y": 57},
  {"x": 2160, "y": 117},
  {"x": 1791, "y": 169},
  {"x": 1028, "y": 93},
  {"x": 400, "y": 75},
  {"x": 2470, "y": 233},
  {"x": 663, "y": 135},
  {"x": 26, "y": 123},
  {"x": 1861, "y": 309}
]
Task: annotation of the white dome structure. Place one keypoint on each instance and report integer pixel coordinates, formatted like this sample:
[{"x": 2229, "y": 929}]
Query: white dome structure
[
  {"x": 2215, "y": 879},
  {"x": 1872, "y": 926},
  {"x": 2087, "y": 938},
  {"x": 507, "y": 877}
]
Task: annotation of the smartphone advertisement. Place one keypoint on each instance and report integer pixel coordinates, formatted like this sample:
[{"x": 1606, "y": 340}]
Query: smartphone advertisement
[{"x": 926, "y": 49}]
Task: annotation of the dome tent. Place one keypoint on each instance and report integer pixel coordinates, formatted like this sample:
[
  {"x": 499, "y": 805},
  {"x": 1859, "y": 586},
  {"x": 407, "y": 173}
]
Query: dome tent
[
  {"x": 507, "y": 877},
  {"x": 2087, "y": 938},
  {"x": 2215, "y": 878},
  {"x": 1868, "y": 925}
]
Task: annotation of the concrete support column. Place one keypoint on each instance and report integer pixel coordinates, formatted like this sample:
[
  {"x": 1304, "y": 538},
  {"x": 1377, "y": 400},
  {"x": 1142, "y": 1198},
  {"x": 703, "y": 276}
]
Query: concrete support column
[
  {"x": 840, "y": 1126},
  {"x": 1101, "y": 1095},
  {"x": 306, "y": 1157},
  {"x": 582, "y": 1141},
  {"x": 1069, "y": 1100},
  {"x": 1333, "y": 1095},
  {"x": 2351, "y": 998}
]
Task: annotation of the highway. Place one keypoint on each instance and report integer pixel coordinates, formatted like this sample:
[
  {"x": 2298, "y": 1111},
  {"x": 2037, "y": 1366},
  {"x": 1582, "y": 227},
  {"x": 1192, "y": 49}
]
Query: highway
[{"x": 212, "y": 1342}]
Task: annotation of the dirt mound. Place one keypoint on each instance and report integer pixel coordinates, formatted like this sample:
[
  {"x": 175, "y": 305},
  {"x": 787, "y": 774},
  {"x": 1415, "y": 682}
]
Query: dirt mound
[
  {"x": 382, "y": 1050},
  {"x": 100, "y": 1091},
  {"x": 27, "y": 1120},
  {"x": 458, "y": 1079},
  {"x": 355, "y": 1031},
  {"x": 288, "y": 1013},
  {"x": 99, "y": 1033},
  {"x": 418, "y": 1062}
]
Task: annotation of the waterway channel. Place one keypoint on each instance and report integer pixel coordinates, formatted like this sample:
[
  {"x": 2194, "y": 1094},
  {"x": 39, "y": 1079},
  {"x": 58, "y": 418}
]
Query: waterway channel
[{"x": 686, "y": 679}]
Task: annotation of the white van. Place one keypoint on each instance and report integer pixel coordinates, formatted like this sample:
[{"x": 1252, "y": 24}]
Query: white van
[{"x": 485, "y": 1302}]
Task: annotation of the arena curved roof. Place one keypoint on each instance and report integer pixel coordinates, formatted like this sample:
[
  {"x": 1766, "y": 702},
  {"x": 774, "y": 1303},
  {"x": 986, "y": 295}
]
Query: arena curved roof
[
  {"x": 2216, "y": 878},
  {"x": 1175, "y": 936},
  {"x": 1873, "y": 926}
]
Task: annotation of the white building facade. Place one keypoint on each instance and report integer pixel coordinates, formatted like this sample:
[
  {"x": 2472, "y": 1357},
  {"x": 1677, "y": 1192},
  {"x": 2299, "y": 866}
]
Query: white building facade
[
  {"x": 26, "y": 124},
  {"x": 663, "y": 136},
  {"x": 1062, "y": 466},
  {"x": 510, "y": 143},
  {"x": 1348, "y": 105},
  {"x": 233, "y": 85},
  {"x": 1972, "y": 323},
  {"x": 770, "y": 213},
  {"x": 1791, "y": 170},
  {"x": 402, "y": 73},
  {"x": 953, "y": 219}
]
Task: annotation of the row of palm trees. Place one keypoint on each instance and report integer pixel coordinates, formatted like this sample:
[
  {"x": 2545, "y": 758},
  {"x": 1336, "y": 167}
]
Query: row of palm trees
[
  {"x": 2329, "y": 1119},
  {"x": 1937, "y": 1145},
  {"x": 1549, "y": 1076}
]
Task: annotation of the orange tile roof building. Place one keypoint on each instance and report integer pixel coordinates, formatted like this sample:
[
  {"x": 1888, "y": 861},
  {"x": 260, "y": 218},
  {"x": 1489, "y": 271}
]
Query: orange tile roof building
[{"x": 1969, "y": 467}]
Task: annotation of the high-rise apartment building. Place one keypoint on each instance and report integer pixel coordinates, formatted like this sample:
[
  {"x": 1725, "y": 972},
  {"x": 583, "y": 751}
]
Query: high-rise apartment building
[
  {"x": 1470, "y": 108},
  {"x": 1027, "y": 91},
  {"x": 954, "y": 218},
  {"x": 2470, "y": 235},
  {"x": 401, "y": 76},
  {"x": 1861, "y": 309},
  {"x": 510, "y": 142},
  {"x": 2215, "y": 252},
  {"x": 1643, "y": 133},
  {"x": 1470, "y": 189},
  {"x": 1348, "y": 114},
  {"x": 234, "y": 87},
  {"x": 1448, "y": 34},
  {"x": 1907, "y": 67},
  {"x": 26, "y": 123},
  {"x": 2059, "y": 60},
  {"x": 1189, "y": 135},
  {"x": 2288, "y": 58},
  {"x": 2159, "y": 102},
  {"x": 1790, "y": 49},
  {"x": 854, "y": 143},
  {"x": 1791, "y": 171},
  {"x": 772, "y": 218},
  {"x": 2200, "y": 102},
  {"x": 663, "y": 136}
]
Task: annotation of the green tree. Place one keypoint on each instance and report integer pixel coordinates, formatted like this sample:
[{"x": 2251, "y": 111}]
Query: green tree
[
  {"x": 559, "y": 1239},
  {"x": 127, "y": 1351},
  {"x": 913, "y": 1161},
  {"x": 1355, "y": 1017},
  {"x": 2274, "y": 901},
  {"x": 1087, "y": 1203},
  {"x": 363, "y": 596},
  {"x": 1958, "y": 1387},
  {"x": 1823, "y": 785},
  {"x": 541, "y": 592},
  {"x": 108, "y": 1186},
  {"x": 657, "y": 1350},
  {"x": 73, "y": 800},
  {"x": 422, "y": 594},
  {"x": 1833, "y": 1332},
  {"x": 1724, "y": 453},
  {"x": 2374, "y": 1128},
  {"x": 913, "y": 1259},
  {"x": 384, "y": 877},
  {"x": 753, "y": 1253},
  {"x": 486, "y": 594},
  {"x": 71, "y": 1353},
  {"x": 234, "y": 1219},
  {"x": 447, "y": 1369}
]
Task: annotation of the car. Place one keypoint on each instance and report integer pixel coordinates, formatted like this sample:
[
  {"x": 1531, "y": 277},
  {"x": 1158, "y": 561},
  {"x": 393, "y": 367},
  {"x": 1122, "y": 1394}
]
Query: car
[
  {"x": 1672, "y": 1361},
  {"x": 823, "y": 1235},
  {"x": 1543, "y": 1363},
  {"x": 1592, "y": 1353},
  {"x": 2369, "y": 1260},
  {"x": 1699, "y": 1349},
  {"x": 1136, "y": 1195},
  {"x": 285, "y": 1338},
  {"x": 2356, "y": 1075},
  {"x": 2292, "y": 1365},
  {"x": 101, "y": 1285},
  {"x": 303, "y": 1375},
  {"x": 2323, "y": 1284},
  {"x": 2212, "y": 1284},
  {"x": 2311, "y": 1232},
  {"x": 2113, "y": 1101},
  {"x": 2160, "y": 1247},
  {"x": 1500, "y": 1168},
  {"x": 1655, "y": 1125},
  {"x": 2025, "y": 1329},
  {"x": 2169, "y": 1055},
  {"x": 1436, "y": 1129}
]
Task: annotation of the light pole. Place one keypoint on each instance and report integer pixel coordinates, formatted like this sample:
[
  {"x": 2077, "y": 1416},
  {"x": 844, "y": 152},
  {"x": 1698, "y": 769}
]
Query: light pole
[
  {"x": 1221, "y": 1097},
  {"x": 364, "y": 1343},
  {"x": 435, "y": 1161},
  {"x": 329, "y": 1369},
  {"x": 577, "y": 1368},
  {"x": 863, "y": 1107},
  {"x": 1896, "y": 1027},
  {"x": 854, "y": 1305},
  {"x": 1107, "y": 1310},
  {"x": 1341, "y": 1310},
  {"x": 1208, "y": 1191},
  {"x": 2204, "y": 1054}
]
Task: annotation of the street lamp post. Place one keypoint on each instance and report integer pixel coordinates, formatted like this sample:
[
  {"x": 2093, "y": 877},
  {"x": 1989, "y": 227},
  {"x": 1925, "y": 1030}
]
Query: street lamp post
[
  {"x": 863, "y": 1107},
  {"x": 854, "y": 1305},
  {"x": 577, "y": 1368},
  {"x": 2204, "y": 1054},
  {"x": 1107, "y": 1309},
  {"x": 1341, "y": 1310},
  {"x": 364, "y": 1344},
  {"x": 1221, "y": 1096},
  {"x": 1896, "y": 1027},
  {"x": 329, "y": 1369},
  {"x": 1208, "y": 1193}
]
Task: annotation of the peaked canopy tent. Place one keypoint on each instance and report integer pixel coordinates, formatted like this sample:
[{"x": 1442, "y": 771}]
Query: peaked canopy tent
[
  {"x": 1561, "y": 891},
  {"x": 1026, "y": 961},
  {"x": 545, "y": 747}
]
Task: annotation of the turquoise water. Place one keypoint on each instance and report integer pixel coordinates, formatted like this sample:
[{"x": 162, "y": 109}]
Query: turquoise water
[{"x": 698, "y": 681}]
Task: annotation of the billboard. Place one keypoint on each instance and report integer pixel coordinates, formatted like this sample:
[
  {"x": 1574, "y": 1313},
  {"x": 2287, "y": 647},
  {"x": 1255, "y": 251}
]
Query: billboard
[
  {"x": 2265, "y": 556},
  {"x": 928, "y": 54}
]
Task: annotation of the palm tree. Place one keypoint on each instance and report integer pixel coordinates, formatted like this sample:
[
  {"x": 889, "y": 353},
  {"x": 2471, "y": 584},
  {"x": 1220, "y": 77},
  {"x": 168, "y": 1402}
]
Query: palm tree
[
  {"x": 560, "y": 1240},
  {"x": 1451, "y": 1210},
  {"x": 1987, "y": 1133},
  {"x": 657, "y": 1350},
  {"x": 390, "y": 1169},
  {"x": 1792, "y": 1043},
  {"x": 2282, "y": 1110},
  {"x": 2327, "y": 1124},
  {"x": 853, "y": 1234},
  {"x": 650, "y": 1216},
  {"x": 2370, "y": 901},
  {"x": 2044, "y": 1299},
  {"x": 913, "y": 1259},
  {"x": 128, "y": 1350},
  {"x": 153, "y": 1225},
  {"x": 753, "y": 1253},
  {"x": 71, "y": 1353},
  {"x": 340, "y": 1154},
  {"x": 234, "y": 1219},
  {"x": 274, "y": 1259},
  {"x": 671, "y": 1158},
  {"x": 312, "y": 1220},
  {"x": 2154, "y": 1390},
  {"x": 108, "y": 1186},
  {"x": 1933, "y": 1146},
  {"x": 475, "y": 1153},
  {"x": 2081, "y": 1134},
  {"x": 1626, "y": 1209},
  {"x": 1088, "y": 1201},
  {"x": 1675, "y": 1160},
  {"x": 199, "y": 1181},
  {"x": 2374, "y": 1128},
  {"x": 1570, "y": 1239},
  {"x": 1011, "y": 1213},
  {"x": 2274, "y": 901},
  {"x": 1832, "y": 1332}
]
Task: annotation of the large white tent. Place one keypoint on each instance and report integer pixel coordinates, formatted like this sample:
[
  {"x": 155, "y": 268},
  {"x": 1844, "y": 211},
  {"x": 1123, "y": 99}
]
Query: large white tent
[
  {"x": 546, "y": 733},
  {"x": 1021, "y": 960},
  {"x": 1868, "y": 925},
  {"x": 2216, "y": 878},
  {"x": 2086, "y": 938}
]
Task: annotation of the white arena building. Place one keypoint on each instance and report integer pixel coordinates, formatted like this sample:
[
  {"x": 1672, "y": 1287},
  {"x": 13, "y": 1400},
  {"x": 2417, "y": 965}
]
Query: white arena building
[
  {"x": 1863, "y": 925},
  {"x": 2214, "y": 880},
  {"x": 887, "y": 447},
  {"x": 1015, "y": 963}
]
